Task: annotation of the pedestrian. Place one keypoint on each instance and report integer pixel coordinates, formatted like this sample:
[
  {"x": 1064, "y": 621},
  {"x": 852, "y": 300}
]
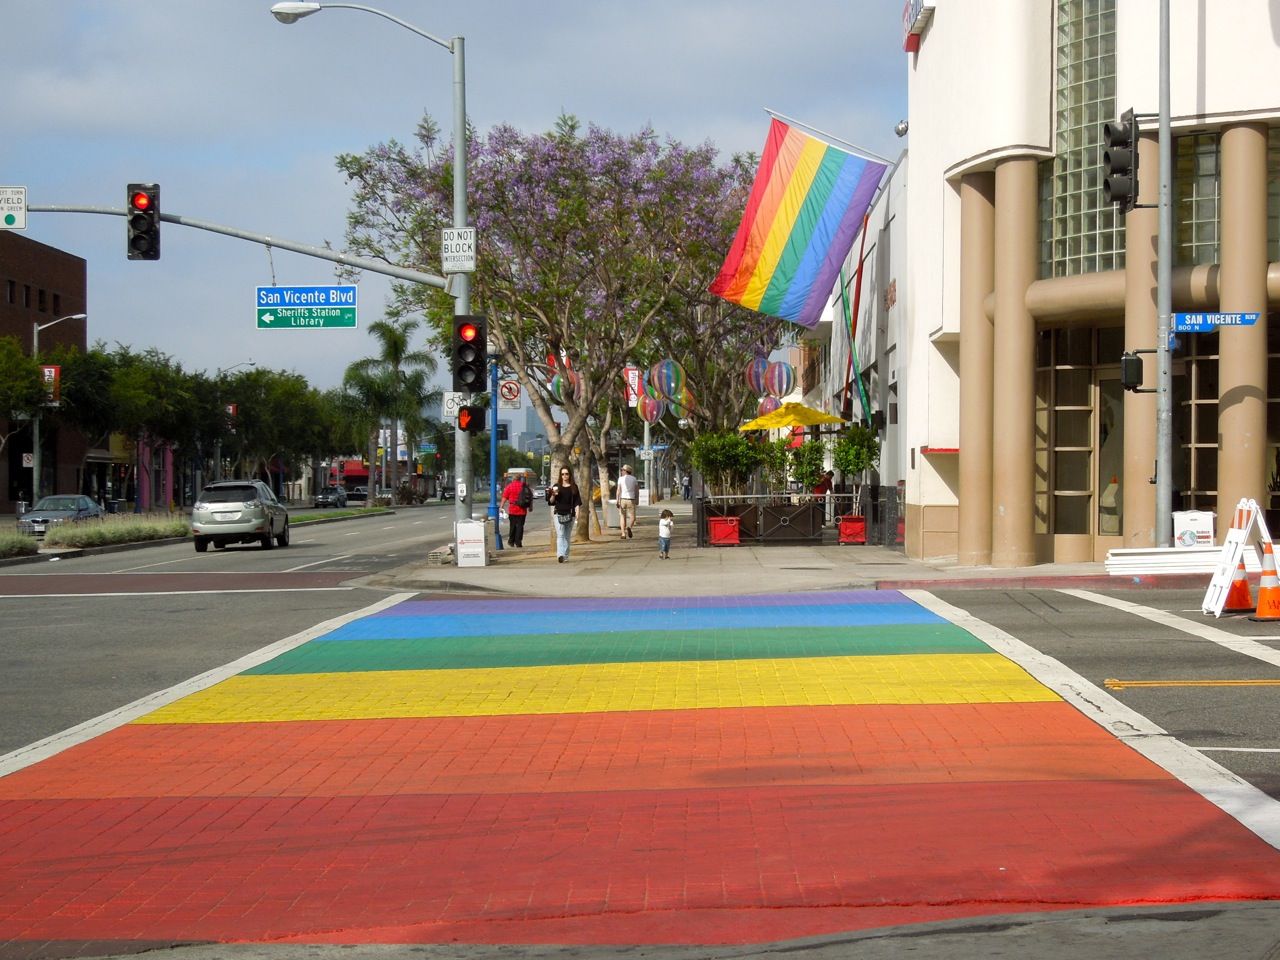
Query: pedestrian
[
  {"x": 628, "y": 497},
  {"x": 517, "y": 500},
  {"x": 686, "y": 486},
  {"x": 565, "y": 501},
  {"x": 666, "y": 523},
  {"x": 822, "y": 489}
]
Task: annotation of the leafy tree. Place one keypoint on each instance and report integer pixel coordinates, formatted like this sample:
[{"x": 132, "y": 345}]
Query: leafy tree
[
  {"x": 726, "y": 459},
  {"x": 583, "y": 237},
  {"x": 21, "y": 392}
]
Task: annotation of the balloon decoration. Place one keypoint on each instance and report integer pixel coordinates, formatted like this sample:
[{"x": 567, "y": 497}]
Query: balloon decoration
[
  {"x": 684, "y": 403},
  {"x": 667, "y": 377},
  {"x": 650, "y": 408},
  {"x": 647, "y": 387},
  {"x": 563, "y": 385},
  {"x": 756, "y": 371},
  {"x": 767, "y": 405},
  {"x": 779, "y": 379}
]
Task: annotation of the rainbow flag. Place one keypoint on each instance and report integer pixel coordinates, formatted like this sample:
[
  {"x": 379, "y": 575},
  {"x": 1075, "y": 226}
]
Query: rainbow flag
[{"x": 805, "y": 209}]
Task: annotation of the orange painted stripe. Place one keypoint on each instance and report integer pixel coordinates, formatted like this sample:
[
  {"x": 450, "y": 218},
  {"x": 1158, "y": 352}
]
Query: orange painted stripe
[{"x": 664, "y": 750}]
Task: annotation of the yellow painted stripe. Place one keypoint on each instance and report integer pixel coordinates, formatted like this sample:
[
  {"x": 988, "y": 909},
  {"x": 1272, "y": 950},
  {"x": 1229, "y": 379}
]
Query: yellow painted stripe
[
  {"x": 780, "y": 230},
  {"x": 1113, "y": 684},
  {"x": 609, "y": 687}
]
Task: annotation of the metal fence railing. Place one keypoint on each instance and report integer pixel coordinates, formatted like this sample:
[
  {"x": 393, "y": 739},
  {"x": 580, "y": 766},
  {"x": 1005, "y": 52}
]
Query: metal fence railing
[{"x": 797, "y": 518}]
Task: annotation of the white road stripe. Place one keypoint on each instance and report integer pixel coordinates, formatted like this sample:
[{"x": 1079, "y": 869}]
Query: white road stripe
[
  {"x": 315, "y": 563},
  {"x": 49, "y": 746},
  {"x": 1242, "y": 645},
  {"x": 1241, "y": 749},
  {"x": 162, "y": 563},
  {"x": 1238, "y": 798},
  {"x": 171, "y": 593}
]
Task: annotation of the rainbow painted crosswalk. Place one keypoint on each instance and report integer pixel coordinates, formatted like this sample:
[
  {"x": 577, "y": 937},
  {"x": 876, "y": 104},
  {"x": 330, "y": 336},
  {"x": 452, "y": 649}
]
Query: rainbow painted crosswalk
[{"x": 699, "y": 770}]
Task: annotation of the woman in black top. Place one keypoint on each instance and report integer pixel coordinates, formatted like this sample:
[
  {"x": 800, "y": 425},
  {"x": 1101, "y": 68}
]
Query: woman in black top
[{"x": 565, "y": 501}]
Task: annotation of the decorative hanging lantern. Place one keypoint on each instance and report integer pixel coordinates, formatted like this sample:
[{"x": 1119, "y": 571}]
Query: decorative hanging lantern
[
  {"x": 564, "y": 385},
  {"x": 779, "y": 379},
  {"x": 667, "y": 377},
  {"x": 650, "y": 408},
  {"x": 756, "y": 371},
  {"x": 767, "y": 405}
]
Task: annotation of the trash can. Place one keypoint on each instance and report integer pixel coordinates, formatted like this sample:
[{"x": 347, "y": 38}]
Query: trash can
[
  {"x": 20, "y": 507},
  {"x": 113, "y": 506}
]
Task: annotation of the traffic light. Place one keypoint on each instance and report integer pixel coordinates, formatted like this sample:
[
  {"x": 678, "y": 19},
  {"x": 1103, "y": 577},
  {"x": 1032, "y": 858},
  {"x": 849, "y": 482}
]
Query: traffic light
[
  {"x": 468, "y": 354},
  {"x": 143, "y": 201},
  {"x": 1120, "y": 161},
  {"x": 1130, "y": 371},
  {"x": 471, "y": 419}
]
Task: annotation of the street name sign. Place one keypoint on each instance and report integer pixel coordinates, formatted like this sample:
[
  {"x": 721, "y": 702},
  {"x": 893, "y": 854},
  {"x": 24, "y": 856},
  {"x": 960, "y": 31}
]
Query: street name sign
[
  {"x": 297, "y": 308},
  {"x": 458, "y": 250},
  {"x": 13, "y": 208},
  {"x": 1208, "y": 322}
]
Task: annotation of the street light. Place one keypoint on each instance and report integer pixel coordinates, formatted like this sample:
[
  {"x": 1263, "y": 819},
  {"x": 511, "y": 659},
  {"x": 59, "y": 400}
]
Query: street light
[
  {"x": 217, "y": 441},
  {"x": 294, "y": 10},
  {"x": 36, "y": 465}
]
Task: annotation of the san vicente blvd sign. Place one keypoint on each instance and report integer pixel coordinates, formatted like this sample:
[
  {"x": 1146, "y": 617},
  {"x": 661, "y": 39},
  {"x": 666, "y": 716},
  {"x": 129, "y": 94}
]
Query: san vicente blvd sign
[{"x": 297, "y": 308}]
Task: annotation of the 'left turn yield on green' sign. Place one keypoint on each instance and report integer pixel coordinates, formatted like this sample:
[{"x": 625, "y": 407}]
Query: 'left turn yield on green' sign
[{"x": 295, "y": 308}]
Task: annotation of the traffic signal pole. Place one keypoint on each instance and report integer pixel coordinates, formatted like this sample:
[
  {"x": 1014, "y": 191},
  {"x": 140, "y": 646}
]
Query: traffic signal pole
[{"x": 1164, "y": 306}]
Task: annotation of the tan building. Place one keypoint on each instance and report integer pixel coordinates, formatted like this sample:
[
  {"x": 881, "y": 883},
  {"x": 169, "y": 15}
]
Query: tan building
[{"x": 1013, "y": 287}]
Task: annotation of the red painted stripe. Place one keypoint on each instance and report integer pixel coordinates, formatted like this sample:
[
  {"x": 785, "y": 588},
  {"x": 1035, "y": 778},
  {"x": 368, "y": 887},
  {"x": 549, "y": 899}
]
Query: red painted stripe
[
  {"x": 624, "y": 867},
  {"x": 679, "y": 749}
]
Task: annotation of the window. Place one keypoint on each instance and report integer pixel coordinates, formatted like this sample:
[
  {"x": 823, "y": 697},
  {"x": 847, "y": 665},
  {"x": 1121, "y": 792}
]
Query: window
[
  {"x": 1080, "y": 232},
  {"x": 42, "y": 303},
  {"x": 1196, "y": 191}
]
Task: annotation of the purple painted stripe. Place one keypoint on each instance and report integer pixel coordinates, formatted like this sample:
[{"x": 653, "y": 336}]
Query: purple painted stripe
[{"x": 580, "y": 604}]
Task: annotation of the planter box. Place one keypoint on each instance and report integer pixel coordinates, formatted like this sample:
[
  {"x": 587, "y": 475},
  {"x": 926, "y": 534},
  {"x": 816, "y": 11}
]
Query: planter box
[
  {"x": 723, "y": 531},
  {"x": 853, "y": 529}
]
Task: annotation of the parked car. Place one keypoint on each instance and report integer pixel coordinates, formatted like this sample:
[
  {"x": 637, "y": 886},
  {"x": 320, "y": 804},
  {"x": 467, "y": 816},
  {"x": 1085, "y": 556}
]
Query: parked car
[
  {"x": 61, "y": 508},
  {"x": 331, "y": 497},
  {"x": 238, "y": 511},
  {"x": 358, "y": 493}
]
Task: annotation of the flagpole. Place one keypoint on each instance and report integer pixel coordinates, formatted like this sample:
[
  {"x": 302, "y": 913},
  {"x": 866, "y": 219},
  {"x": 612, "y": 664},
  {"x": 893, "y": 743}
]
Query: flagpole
[{"x": 836, "y": 141}]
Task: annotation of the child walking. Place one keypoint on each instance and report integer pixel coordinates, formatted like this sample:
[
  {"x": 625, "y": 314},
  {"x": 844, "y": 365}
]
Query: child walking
[{"x": 666, "y": 523}]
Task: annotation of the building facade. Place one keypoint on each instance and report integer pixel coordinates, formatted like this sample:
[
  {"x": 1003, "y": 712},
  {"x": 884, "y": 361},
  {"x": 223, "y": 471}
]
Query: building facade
[{"x": 996, "y": 340}]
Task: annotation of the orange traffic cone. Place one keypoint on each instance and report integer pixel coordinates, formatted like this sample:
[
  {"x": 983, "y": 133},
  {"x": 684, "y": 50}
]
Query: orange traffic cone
[
  {"x": 1268, "y": 587},
  {"x": 1239, "y": 599}
]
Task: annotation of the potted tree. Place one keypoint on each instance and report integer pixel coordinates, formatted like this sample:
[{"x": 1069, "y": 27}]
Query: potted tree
[
  {"x": 726, "y": 460},
  {"x": 856, "y": 451}
]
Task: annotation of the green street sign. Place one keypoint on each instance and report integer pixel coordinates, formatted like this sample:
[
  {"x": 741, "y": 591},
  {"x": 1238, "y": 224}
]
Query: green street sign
[{"x": 299, "y": 308}]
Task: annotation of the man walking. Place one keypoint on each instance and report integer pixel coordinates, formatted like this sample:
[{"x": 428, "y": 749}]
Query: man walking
[
  {"x": 517, "y": 500},
  {"x": 628, "y": 497}
]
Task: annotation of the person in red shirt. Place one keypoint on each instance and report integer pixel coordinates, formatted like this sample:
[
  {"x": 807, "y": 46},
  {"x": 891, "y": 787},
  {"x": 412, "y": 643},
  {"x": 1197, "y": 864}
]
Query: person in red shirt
[{"x": 512, "y": 496}]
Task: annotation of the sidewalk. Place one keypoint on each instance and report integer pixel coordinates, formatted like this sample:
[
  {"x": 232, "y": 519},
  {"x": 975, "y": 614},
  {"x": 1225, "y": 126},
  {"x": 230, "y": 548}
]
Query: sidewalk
[{"x": 613, "y": 567}]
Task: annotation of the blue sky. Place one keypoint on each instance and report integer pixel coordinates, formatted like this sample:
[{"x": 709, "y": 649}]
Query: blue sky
[{"x": 239, "y": 118}]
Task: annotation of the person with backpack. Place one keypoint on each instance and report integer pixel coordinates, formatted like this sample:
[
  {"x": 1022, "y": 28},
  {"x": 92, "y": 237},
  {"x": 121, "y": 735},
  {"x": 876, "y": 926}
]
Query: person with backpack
[{"x": 517, "y": 500}]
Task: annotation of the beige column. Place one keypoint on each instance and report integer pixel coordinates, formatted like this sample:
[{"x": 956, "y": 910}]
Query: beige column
[
  {"x": 1142, "y": 228},
  {"x": 977, "y": 338},
  {"x": 1242, "y": 351},
  {"x": 1013, "y": 396}
]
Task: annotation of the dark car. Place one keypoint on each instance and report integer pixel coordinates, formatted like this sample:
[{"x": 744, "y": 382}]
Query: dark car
[
  {"x": 358, "y": 493},
  {"x": 331, "y": 497},
  {"x": 62, "y": 508},
  {"x": 238, "y": 511}
]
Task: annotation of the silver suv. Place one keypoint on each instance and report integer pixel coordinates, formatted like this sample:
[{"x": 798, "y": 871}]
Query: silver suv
[{"x": 238, "y": 511}]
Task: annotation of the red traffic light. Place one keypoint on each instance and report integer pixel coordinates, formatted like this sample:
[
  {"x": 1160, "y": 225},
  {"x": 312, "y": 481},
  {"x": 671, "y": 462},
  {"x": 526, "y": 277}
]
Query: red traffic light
[
  {"x": 140, "y": 201},
  {"x": 468, "y": 331}
]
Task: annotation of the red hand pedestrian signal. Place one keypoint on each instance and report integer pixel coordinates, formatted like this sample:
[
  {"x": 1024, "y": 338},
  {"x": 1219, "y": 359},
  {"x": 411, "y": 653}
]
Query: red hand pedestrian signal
[
  {"x": 471, "y": 419},
  {"x": 464, "y": 419}
]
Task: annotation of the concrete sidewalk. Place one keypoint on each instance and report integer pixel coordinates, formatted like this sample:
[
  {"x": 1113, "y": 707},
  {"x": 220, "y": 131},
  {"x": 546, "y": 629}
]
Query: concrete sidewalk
[{"x": 609, "y": 566}]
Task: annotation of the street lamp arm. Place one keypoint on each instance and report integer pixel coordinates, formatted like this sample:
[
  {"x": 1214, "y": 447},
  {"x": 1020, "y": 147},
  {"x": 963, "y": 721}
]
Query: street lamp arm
[{"x": 295, "y": 10}]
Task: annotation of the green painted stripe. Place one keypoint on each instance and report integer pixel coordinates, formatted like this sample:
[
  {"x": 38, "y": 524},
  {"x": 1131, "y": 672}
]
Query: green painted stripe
[{"x": 452, "y": 653}]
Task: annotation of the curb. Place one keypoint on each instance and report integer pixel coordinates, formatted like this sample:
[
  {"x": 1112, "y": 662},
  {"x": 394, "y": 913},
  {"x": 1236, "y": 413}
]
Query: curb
[{"x": 1146, "y": 581}]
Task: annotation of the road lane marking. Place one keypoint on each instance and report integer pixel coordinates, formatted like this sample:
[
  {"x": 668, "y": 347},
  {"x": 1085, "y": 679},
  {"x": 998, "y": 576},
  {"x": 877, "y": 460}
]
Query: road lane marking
[
  {"x": 56, "y": 743},
  {"x": 1241, "y": 749},
  {"x": 1235, "y": 796},
  {"x": 161, "y": 563},
  {"x": 315, "y": 563},
  {"x": 1242, "y": 645},
  {"x": 1113, "y": 684}
]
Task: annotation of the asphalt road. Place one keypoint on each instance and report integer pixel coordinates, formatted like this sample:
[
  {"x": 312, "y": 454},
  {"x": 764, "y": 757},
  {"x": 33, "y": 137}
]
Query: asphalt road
[
  {"x": 84, "y": 636},
  {"x": 1182, "y": 670}
]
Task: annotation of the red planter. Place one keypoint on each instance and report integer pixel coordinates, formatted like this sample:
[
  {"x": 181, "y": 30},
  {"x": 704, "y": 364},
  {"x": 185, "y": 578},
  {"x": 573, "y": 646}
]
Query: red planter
[
  {"x": 723, "y": 531},
  {"x": 853, "y": 529}
]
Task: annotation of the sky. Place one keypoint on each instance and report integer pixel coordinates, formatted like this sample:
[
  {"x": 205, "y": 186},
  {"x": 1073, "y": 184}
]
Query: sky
[{"x": 238, "y": 118}]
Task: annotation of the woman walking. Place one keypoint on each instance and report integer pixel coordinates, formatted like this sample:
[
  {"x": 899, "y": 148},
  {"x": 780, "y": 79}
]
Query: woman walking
[{"x": 565, "y": 501}]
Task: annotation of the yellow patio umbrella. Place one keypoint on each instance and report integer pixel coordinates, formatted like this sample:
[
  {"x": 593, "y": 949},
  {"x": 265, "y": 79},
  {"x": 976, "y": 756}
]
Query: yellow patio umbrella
[{"x": 790, "y": 415}]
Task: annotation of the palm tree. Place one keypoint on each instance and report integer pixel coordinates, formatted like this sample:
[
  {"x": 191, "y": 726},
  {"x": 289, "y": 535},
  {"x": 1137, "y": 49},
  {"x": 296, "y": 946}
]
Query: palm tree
[{"x": 399, "y": 391}]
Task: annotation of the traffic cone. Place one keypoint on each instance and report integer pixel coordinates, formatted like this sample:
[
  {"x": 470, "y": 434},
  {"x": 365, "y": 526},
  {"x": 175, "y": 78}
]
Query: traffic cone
[
  {"x": 1268, "y": 588},
  {"x": 1239, "y": 599}
]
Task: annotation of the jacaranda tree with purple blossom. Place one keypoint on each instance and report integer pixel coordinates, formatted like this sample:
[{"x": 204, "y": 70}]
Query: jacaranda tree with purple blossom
[{"x": 586, "y": 240}]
